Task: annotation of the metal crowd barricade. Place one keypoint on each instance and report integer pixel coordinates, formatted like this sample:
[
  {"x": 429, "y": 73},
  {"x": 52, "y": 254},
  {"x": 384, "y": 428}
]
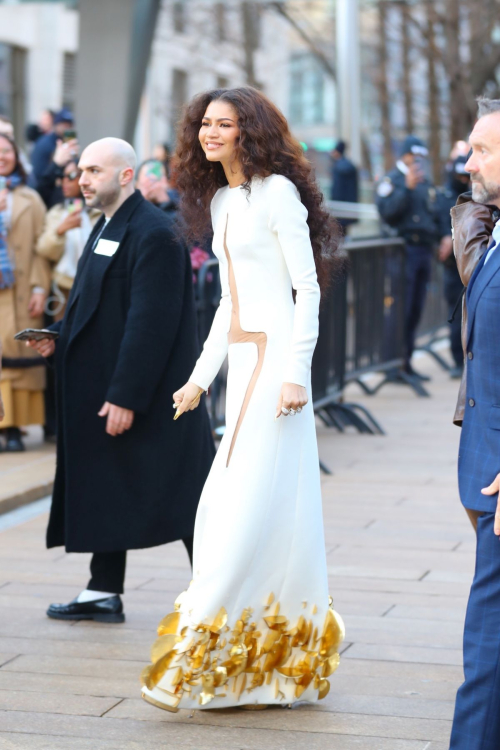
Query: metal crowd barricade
[
  {"x": 361, "y": 331},
  {"x": 433, "y": 326},
  {"x": 208, "y": 291}
]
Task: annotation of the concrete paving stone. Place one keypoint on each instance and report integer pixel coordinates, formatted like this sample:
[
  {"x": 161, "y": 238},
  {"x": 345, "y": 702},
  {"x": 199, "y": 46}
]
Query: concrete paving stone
[
  {"x": 452, "y": 604},
  {"x": 104, "y": 687},
  {"x": 400, "y": 552},
  {"x": 76, "y": 580},
  {"x": 77, "y": 649},
  {"x": 422, "y": 672},
  {"x": 392, "y": 687},
  {"x": 5, "y": 657},
  {"x": 22, "y": 741},
  {"x": 243, "y": 735},
  {"x": 76, "y": 632},
  {"x": 449, "y": 576},
  {"x": 424, "y": 586},
  {"x": 407, "y": 558},
  {"x": 370, "y": 705},
  {"x": 453, "y": 532},
  {"x": 111, "y": 668},
  {"x": 308, "y": 720},
  {"x": 437, "y": 655},
  {"x": 409, "y": 707},
  {"x": 404, "y": 638},
  {"x": 42, "y": 702},
  {"x": 447, "y": 614},
  {"x": 361, "y": 541},
  {"x": 364, "y": 571}
]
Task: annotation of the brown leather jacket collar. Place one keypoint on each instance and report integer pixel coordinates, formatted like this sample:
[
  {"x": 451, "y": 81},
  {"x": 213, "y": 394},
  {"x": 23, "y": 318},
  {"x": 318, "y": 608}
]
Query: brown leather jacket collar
[{"x": 472, "y": 227}]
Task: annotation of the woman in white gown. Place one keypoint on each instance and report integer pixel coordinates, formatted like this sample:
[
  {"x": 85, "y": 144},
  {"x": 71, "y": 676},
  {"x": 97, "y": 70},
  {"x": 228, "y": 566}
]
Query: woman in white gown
[{"x": 255, "y": 626}]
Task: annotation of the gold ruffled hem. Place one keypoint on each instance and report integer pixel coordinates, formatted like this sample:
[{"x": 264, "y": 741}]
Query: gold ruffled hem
[{"x": 220, "y": 659}]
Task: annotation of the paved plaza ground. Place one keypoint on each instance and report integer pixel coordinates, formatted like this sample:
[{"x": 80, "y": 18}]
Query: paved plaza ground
[{"x": 400, "y": 559}]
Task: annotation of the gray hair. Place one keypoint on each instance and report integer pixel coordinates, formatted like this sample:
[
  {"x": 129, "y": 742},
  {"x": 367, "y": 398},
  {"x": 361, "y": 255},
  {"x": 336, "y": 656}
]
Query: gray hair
[{"x": 487, "y": 106}]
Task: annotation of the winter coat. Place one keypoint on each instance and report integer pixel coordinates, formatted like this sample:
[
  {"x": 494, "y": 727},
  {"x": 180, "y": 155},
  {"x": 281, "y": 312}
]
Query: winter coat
[
  {"x": 472, "y": 227},
  {"x": 128, "y": 337},
  {"x": 26, "y": 224}
]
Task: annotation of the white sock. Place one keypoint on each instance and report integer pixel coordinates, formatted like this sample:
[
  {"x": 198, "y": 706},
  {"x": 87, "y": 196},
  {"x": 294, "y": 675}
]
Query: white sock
[{"x": 88, "y": 595}]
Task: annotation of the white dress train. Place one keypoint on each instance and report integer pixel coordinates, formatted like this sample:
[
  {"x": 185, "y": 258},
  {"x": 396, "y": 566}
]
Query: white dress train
[{"x": 255, "y": 625}]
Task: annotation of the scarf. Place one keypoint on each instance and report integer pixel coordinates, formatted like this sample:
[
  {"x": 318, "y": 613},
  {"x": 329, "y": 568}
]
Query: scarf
[{"x": 7, "y": 278}]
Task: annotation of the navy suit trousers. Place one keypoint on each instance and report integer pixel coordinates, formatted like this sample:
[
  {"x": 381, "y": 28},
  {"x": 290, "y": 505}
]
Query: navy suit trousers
[{"x": 476, "y": 724}]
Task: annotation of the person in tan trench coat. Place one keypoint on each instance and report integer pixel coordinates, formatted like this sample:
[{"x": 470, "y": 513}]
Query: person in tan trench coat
[
  {"x": 22, "y": 379},
  {"x": 2, "y": 412}
]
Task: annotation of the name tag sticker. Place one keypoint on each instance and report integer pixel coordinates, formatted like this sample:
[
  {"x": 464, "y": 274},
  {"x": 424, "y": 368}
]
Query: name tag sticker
[{"x": 106, "y": 247}]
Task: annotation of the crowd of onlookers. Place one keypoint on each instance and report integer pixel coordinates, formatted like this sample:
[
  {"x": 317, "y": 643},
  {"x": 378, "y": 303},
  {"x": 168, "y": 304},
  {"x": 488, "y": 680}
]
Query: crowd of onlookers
[{"x": 44, "y": 226}]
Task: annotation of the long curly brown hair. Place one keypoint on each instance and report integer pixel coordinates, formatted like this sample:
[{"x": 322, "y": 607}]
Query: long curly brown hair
[{"x": 265, "y": 146}]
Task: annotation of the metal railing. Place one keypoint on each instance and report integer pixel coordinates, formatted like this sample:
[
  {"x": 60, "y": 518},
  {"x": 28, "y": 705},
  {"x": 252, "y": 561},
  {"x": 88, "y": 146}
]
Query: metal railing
[{"x": 361, "y": 331}]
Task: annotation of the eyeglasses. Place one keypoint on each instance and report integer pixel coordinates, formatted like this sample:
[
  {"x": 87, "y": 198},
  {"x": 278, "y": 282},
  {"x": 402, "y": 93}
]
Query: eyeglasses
[{"x": 71, "y": 175}]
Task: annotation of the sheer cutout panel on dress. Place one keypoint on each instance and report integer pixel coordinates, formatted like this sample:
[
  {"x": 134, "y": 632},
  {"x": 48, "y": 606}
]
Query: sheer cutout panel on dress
[{"x": 237, "y": 335}]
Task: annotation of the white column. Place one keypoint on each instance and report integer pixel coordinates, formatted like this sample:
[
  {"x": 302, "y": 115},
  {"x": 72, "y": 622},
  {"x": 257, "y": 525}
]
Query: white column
[{"x": 348, "y": 76}]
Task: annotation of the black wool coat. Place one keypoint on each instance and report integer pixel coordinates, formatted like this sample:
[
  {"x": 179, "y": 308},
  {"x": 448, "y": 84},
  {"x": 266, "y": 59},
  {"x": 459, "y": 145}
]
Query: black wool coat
[{"x": 128, "y": 337}]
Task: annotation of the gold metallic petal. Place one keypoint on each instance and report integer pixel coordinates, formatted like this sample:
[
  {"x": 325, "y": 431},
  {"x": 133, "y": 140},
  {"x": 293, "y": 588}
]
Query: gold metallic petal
[
  {"x": 219, "y": 621},
  {"x": 153, "y": 674},
  {"x": 278, "y": 655},
  {"x": 269, "y": 641},
  {"x": 249, "y": 659},
  {"x": 235, "y": 665},
  {"x": 330, "y": 665},
  {"x": 257, "y": 680},
  {"x": 303, "y": 684},
  {"x": 333, "y": 634},
  {"x": 207, "y": 693},
  {"x": 243, "y": 685},
  {"x": 169, "y": 624},
  {"x": 220, "y": 676},
  {"x": 277, "y": 622},
  {"x": 163, "y": 645},
  {"x": 178, "y": 677},
  {"x": 324, "y": 689}
]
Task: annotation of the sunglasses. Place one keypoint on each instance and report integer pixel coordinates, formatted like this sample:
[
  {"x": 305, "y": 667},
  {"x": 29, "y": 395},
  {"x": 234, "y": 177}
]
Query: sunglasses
[{"x": 71, "y": 175}]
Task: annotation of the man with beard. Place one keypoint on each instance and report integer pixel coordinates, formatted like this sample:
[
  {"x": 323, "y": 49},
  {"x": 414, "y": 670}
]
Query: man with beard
[
  {"x": 476, "y": 724},
  {"x": 127, "y": 476}
]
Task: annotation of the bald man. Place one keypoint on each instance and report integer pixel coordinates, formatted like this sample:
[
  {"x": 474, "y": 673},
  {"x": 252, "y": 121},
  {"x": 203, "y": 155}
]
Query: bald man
[{"x": 128, "y": 476}]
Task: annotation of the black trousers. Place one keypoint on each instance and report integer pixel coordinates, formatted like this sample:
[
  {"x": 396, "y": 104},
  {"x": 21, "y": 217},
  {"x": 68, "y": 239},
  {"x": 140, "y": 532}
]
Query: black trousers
[
  {"x": 418, "y": 275},
  {"x": 107, "y": 569},
  {"x": 452, "y": 289}
]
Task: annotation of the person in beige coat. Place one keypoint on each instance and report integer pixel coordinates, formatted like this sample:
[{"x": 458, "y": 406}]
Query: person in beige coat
[
  {"x": 66, "y": 230},
  {"x": 24, "y": 284},
  {"x": 2, "y": 411}
]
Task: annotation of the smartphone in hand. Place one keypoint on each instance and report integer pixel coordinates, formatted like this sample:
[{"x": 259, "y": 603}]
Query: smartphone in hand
[{"x": 36, "y": 334}]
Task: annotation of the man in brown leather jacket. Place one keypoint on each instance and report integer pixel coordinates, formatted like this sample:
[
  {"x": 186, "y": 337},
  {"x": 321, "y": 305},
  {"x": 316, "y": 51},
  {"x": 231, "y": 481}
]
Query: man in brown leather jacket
[
  {"x": 472, "y": 229},
  {"x": 476, "y": 226}
]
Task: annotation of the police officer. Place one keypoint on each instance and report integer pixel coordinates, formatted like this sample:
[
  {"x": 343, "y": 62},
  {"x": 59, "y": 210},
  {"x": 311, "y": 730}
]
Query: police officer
[
  {"x": 458, "y": 182},
  {"x": 406, "y": 200}
]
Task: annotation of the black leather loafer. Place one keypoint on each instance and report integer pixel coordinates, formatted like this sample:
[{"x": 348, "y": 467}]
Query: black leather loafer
[
  {"x": 101, "y": 610},
  {"x": 14, "y": 442}
]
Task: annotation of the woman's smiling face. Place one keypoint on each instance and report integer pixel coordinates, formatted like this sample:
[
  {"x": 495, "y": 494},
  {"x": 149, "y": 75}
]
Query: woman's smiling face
[
  {"x": 7, "y": 157},
  {"x": 219, "y": 132}
]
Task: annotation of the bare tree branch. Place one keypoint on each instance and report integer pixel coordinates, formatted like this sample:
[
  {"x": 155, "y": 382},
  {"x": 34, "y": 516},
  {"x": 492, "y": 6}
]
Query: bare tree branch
[{"x": 280, "y": 7}]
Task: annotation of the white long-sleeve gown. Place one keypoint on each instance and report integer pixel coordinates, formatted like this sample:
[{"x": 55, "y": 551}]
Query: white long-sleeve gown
[{"x": 255, "y": 625}]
